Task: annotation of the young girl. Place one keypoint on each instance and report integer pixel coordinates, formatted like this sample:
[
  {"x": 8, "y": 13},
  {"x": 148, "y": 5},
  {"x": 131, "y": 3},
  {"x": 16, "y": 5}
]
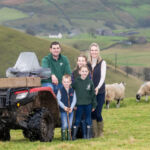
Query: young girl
[
  {"x": 86, "y": 100},
  {"x": 66, "y": 97},
  {"x": 81, "y": 61}
]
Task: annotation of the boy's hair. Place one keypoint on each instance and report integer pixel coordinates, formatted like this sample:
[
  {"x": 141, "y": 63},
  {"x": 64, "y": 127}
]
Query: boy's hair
[
  {"x": 84, "y": 66},
  {"x": 66, "y": 76},
  {"x": 54, "y": 43}
]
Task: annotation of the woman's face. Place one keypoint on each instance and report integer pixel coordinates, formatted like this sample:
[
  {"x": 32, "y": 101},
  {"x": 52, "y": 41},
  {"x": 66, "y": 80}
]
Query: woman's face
[{"x": 94, "y": 52}]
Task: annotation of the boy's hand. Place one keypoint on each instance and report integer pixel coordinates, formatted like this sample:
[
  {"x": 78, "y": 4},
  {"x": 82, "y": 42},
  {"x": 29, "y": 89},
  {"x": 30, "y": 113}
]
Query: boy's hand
[
  {"x": 54, "y": 79},
  {"x": 66, "y": 109},
  {"x": 70, "y": 110}
]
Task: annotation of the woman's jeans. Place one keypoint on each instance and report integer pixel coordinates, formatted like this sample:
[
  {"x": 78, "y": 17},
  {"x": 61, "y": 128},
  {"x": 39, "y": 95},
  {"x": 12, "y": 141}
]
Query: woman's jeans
[
  {"x": 64, "y": 121},
  {"x": 97, "y": 114}
]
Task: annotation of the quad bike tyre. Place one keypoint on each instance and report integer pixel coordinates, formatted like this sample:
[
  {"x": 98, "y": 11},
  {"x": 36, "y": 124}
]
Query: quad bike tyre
[
  {"x": 41, "y": 126},
  {"x": 4, "y": 133}
]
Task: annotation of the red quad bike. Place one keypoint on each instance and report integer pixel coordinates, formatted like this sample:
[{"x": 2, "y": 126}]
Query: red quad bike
[{"x": 32, "y": 109}]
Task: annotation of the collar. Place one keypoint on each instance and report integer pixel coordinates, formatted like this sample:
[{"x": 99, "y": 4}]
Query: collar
[{"x": 51, "y": 56}]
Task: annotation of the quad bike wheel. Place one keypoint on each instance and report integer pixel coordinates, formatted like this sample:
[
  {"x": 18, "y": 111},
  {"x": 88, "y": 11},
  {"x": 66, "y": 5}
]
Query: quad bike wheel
[
  {"x": 4, "y": 133},
  {"x": 41, "y": 126}
]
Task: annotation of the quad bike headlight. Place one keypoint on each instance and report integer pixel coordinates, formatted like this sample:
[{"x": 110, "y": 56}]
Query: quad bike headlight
[{"x": 22, "y": 95}]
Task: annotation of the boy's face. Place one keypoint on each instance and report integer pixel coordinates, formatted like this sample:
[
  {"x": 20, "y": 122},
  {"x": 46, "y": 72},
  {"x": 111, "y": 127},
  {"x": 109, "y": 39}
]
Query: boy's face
[
  {"x": 84, "y": 72},
  {"x": 81, "y": 61},
  {"x": 66, "y": 82}
]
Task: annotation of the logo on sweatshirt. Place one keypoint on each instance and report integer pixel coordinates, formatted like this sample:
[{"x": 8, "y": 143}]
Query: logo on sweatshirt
[
  {"x": 61, "y": 64},
  {"x": 88, "y": 87}
]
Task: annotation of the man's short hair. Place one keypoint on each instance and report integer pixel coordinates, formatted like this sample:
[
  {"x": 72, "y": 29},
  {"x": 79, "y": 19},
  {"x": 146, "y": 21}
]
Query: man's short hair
[{"x": 54, "y": 43}]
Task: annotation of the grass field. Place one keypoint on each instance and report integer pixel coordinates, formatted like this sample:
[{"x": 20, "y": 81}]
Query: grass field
[
  {"x": 11, "y": 14},
  {"x": 136, "y": 55},
  {"x": 125, "y": 128}
]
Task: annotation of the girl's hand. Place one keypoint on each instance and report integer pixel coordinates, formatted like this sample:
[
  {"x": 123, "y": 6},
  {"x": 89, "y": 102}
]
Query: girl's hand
[
  {"x": 93, "y": 109},
  {"x": 96, "y": 90},
  {"x": 75, "y": 108}
]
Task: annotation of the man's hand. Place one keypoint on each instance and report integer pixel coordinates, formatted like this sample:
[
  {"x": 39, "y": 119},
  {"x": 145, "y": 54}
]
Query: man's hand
[{"x": 54, "y": 79}]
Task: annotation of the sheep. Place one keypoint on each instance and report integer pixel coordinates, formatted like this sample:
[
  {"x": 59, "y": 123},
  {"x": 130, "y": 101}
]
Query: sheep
[
  {"x": 144, "y": 90},
  {"x": 114, "y": 91}
]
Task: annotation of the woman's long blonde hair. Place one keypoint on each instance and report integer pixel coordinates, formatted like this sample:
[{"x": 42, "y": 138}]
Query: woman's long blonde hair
[{"x": 99, "y": 57}]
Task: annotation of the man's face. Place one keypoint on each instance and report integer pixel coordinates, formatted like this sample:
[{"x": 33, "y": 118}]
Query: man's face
[{"x": 55, "y": 50}]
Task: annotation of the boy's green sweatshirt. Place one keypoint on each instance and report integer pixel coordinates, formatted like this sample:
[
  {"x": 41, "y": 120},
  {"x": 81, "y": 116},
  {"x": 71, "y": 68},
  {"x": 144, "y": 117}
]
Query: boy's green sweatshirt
[
  {"x": 58, "y": 68},
  {"x": 85, "y": 92}
]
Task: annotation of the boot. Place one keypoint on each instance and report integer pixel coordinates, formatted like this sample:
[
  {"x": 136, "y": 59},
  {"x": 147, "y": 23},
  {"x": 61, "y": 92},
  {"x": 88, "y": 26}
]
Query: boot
[
  {"x": 75, "y": 130},
  {"x": 63, "y": 135},
  {"x": 95, "y": 129},
  {"x": 100, "y": 126},
  {"x": 83, "y": 127},
  {"x": 88, "y": 136},
  {"x": 68, "y": 135}
]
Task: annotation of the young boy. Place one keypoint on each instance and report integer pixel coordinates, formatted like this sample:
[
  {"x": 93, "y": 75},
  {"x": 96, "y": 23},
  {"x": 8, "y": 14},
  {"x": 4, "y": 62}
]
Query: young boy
[
  {"x": 66, "y": 97},
  {"x": 86, "y": 100}
]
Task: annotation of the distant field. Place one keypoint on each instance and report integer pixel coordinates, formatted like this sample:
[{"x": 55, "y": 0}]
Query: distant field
[
  {"x": 137, "y": 55},
  {"x": 7, "y": 14},
  {"x": 125, "y": 128}
]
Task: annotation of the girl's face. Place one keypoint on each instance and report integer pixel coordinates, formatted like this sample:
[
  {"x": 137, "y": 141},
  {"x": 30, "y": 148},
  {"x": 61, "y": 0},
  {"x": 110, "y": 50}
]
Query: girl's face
[
  {"x": 84, "y": 72},
  {"x": 81, "y": 61},
  {"x": 94, "y": 52}
]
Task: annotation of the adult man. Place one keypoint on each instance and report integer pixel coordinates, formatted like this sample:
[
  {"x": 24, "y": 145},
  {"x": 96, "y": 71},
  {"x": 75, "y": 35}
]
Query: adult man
[{"x": 58, "y": 64}]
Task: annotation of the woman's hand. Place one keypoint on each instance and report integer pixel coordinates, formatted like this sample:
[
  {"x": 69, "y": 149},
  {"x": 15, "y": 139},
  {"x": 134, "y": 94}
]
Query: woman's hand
[{"x": 96, "y": 90}]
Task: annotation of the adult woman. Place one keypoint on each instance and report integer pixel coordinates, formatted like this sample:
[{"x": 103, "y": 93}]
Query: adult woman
[{"x": 98, "y": 72}]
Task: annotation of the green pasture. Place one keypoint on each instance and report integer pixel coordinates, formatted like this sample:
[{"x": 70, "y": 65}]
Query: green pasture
[
  {"x": 125, "y": 128},
  {"x": 7, "y": 14},
  {"x": 138, "y": 55}
]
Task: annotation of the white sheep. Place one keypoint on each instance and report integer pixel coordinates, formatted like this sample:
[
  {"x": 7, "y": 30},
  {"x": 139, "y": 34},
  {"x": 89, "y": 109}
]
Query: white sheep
[
  {"x": 144, "y": 90},
  {"x": 114, "y": 91}
]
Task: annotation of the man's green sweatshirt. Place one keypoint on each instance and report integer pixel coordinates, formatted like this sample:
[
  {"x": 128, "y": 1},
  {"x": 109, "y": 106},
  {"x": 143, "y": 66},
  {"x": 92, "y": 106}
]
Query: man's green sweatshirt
[
  {"x": 58, "y": 68},
  {"x": 85, "y": 92}
]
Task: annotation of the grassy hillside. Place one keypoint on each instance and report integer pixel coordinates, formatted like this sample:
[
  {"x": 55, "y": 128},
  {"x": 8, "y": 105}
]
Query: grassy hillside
[
  {"x": 136, "y": 55},
  {"x": 66, "y": 15},
  {"x": 125, "y": 128},
  {"x": 14, "y": 42}
]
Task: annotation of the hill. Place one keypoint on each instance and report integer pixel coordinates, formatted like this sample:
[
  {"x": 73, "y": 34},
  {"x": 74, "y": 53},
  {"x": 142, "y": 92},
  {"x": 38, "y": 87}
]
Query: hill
[
  {"x": 13, "y": 42},
  {"x": 66, "y": 15}
]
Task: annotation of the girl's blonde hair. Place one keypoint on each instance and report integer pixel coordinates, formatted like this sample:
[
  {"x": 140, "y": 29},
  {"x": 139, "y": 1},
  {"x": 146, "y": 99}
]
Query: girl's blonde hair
[{"x": 99, "y": 57}]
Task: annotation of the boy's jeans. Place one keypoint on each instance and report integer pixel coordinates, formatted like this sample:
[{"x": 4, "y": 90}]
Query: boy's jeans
[{"x": 64, "y": 121}]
